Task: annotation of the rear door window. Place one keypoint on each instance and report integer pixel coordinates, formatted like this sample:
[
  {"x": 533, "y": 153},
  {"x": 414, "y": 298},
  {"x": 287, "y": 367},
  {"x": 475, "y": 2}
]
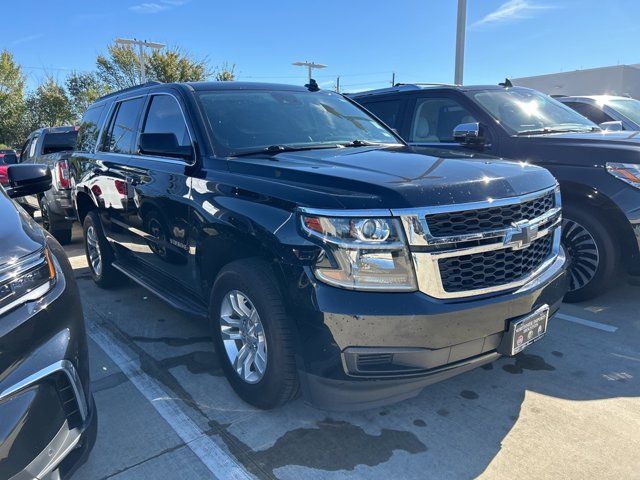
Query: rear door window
[
  {"x": 123, "y": 128},
  {"x": 387, "y": 110},
  {"x": 592, "y": 112},
  {"x": 435, "y": 118},
  {"x": 89, "y": 130}
]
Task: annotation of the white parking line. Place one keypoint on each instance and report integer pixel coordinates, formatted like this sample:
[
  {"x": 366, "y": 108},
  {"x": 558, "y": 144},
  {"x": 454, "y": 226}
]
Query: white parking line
[
  {"x": 220, "y": 464},
  {"x": 587, "y": 323}
]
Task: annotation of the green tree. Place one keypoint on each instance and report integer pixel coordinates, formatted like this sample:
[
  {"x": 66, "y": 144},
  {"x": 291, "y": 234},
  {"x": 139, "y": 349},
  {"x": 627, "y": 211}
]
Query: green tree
[
  {"x": 225, "y": 73},
  {"x": 120, "y": 68},
  {"x": 83, "y": 89},
  {"x": 12, "y": 82},
  {"x": 48, "y": 106}
]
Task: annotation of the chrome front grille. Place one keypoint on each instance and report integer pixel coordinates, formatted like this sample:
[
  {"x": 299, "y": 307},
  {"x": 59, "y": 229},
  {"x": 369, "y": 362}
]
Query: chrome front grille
[
  {"x": 483, "y": 247},
  {"x": 493, "y": 268},
  {"x": 490, "y": 218}
]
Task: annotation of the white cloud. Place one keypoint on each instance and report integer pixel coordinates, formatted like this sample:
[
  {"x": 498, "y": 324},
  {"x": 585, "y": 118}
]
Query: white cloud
[
  {"x": 28, "y": 38},
  {"x": 513, "y": 10},
  {"x": 156, "y": 7}
]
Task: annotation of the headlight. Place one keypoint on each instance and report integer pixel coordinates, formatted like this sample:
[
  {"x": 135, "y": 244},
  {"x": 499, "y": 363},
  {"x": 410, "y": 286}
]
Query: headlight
[
  {"x": 627, "y": 172},
  {"x": 361, "y": 253},
  {"x": 26, "y": 279}
]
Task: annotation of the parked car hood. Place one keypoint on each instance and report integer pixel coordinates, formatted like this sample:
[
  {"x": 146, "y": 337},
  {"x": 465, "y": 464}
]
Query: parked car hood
[
  {"x": 19, "y": 233},
  {"x": 367, "y": 177},
  {"x": 592, "y": 148}
]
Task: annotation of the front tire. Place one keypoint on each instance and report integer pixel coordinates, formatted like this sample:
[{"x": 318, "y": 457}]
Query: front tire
[
  {"x": 591, "y": 254},
  {"x": 99, "y": 254},
  {"x": 252, "y": 334}
]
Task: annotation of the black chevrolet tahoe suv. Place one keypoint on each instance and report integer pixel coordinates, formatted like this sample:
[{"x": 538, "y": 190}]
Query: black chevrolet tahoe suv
[
  {"x": 598, "y": 171},
  {"x": 325, "y": 256},
  {"x": 52, "y": 146}
]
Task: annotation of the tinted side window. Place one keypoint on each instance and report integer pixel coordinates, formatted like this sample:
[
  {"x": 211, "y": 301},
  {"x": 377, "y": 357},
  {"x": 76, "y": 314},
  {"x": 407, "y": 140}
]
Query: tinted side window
[
  {"x": 592, "y": 112},
  {"x": 435, "y": 118},
  {"x": 388, "y": 111},
  {"x": 164, "y": 116},
  {"x": 89, "y": 130},
  {"x": 123, "y": 127}
]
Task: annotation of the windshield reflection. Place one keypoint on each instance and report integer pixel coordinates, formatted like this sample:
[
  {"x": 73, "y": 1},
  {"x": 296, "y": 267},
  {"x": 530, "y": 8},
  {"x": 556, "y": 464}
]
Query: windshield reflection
[{"x": 525, "y": 111}]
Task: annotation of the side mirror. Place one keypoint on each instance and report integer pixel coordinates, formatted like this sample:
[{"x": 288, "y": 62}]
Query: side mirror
[
  {"x": 469, "y": 134},
  {"x": 164, "y": 145},
  {"x": 28, "y": 180},
  {"x": 614, "y": 126}
]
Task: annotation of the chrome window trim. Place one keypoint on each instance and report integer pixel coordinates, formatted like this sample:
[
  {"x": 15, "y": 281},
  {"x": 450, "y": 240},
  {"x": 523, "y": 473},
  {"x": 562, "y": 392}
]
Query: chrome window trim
[{"x": 63, "y": 366}]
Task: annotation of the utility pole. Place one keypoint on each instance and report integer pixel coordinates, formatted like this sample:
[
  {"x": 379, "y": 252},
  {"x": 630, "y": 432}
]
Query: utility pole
[
  {"x": 393, "y": 78},
  {"x": 338, "y": 84},
  {"x": 460, "y": 34},
  {"x": 141, "y": 44},
  {"x": 310, "y": 66}
]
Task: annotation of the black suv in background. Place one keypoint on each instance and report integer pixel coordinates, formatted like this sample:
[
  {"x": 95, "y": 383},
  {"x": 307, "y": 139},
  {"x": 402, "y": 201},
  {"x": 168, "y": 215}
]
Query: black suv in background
[
  {"x": 599, "y": 172},
  {"x": 47, "y": 416},
  {"x": 324, "y": 254},
  {"x": 52, "y": 146}
]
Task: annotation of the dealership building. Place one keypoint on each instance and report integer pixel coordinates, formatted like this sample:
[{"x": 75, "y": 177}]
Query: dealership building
[{"x": 623, "y": 80}]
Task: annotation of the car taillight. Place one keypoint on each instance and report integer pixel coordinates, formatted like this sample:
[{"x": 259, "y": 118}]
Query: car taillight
[
  {"x": 63, "y": 174},
  {"x": 4, "y": 177}
]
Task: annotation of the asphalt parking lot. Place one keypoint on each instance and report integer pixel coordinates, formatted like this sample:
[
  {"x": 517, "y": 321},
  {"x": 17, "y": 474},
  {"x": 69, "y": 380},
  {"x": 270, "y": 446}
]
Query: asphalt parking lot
[{"x": 568, "y": 407}]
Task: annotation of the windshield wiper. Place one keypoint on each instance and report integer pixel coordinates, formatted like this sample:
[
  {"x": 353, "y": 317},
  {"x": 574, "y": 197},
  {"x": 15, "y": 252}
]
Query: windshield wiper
[
  {"x": 542, "y": 131},
  {"x": 275, "y": 149},
  {"x": 364, "y": 143}
]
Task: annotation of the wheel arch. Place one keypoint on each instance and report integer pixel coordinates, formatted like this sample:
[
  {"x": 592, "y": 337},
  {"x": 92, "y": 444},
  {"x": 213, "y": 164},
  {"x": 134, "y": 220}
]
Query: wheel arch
[
  {"x": 586, "y": 197},
  {"x": 84, "y": 204}
]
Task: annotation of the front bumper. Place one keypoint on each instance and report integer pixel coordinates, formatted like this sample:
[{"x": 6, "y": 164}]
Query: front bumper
[
  {"x": 46, "y": 409},
  {"x": 365, "y": 349}
]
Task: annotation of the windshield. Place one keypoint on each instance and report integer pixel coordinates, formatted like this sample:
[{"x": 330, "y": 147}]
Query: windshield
[
  {"x": 527, "y": 111},
  {"x": 251, "y": 120},
  {"x": 59, "y": 142},
  {"x": 627, "y": 107}
]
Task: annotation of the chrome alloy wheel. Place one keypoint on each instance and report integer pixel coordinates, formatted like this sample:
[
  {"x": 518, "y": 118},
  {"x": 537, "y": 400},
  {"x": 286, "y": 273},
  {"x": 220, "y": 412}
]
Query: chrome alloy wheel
[
  {"x": 582, "y": 251},
  {"x": 243, "y": 336},
  {"x": 93, "y": 249}
]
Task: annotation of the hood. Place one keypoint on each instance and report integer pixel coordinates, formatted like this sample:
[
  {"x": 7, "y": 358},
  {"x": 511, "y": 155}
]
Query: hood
[
  {"x": 369, "y": 177},
  {"x": 20, "y": 235},
  {"x": 591, "y": 148}
]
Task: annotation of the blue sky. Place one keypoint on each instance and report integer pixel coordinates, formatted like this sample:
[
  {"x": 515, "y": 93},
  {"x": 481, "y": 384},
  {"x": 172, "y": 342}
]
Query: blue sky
[{"x": 362, "y": 41}]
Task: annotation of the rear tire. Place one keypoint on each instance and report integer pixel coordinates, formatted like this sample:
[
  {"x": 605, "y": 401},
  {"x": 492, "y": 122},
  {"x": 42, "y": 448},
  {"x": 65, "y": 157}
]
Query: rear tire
[
  {"x": 591, "y": 253},
  {"x": 99, "y": 253},
  {"x": 254, "y": 283}
]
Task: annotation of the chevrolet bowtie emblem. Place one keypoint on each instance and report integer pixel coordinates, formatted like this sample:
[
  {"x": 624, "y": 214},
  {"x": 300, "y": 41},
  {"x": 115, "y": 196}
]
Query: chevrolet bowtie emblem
[{"x": 520, "y": 235}]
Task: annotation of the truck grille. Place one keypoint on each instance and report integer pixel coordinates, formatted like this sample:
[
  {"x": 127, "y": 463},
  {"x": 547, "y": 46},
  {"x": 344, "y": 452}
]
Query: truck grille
[
  {"x": 483, "y": 247},
  {"x": 493, "y": 268},
  {"x": 486, "y": 219}
]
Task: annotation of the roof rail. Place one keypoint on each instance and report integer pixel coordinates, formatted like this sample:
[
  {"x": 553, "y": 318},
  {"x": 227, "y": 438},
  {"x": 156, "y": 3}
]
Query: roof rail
[
  {"x": 427, "y": 84},
  {"x": 130, "y": 89}
]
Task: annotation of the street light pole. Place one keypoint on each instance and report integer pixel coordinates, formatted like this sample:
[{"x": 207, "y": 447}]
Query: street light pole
[
  {"x": 460, "y": 34},
  {"x": 310, "y": 66},
  {"x": 141, "y": 44}
]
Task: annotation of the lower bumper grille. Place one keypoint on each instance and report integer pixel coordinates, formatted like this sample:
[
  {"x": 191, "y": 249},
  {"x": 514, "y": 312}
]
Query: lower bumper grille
[{"x": 493, "y": 268}]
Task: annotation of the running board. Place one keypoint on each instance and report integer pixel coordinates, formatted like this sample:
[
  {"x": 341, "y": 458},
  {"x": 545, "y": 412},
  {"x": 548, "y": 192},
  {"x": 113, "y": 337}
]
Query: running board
[{"x": 178, "y": 297}]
